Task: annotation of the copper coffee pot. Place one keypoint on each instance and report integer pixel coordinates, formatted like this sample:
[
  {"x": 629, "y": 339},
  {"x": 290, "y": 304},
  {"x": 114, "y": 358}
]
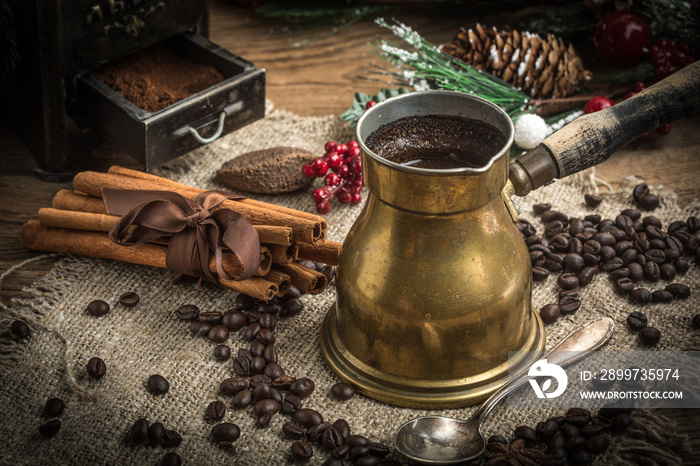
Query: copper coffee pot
[{"x": 434, "y": 282}]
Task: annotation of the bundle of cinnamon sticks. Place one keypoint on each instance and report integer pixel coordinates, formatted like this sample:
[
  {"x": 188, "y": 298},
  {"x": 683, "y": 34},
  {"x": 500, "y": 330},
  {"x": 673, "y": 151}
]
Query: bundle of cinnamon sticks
[{"x": 78, "y": 222}]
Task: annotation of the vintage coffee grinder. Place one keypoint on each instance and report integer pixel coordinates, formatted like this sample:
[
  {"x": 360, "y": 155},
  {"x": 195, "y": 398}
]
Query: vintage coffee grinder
[
  {"x": 61, "y": 111},
  {"x": 434, "y": 281}
]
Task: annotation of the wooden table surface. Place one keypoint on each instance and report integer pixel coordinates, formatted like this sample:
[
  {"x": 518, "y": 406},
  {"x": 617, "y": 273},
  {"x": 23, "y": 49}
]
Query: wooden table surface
[{"x": 320, "y": 78}]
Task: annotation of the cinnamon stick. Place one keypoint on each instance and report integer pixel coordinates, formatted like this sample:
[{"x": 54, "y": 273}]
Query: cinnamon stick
[
  {"x": 282, "y": 280},
  {"x": 92, "y": 243},
  {"x": 327, "y": 252},
  {"x": 72, "y": 201},
  {"x": 303, "y": 229},
  {"x": 304, "y": 278},
  {"x": 284, "y": 254},
  {"x": 256, "y": 287},
  {"x": 175, "y": 185}
]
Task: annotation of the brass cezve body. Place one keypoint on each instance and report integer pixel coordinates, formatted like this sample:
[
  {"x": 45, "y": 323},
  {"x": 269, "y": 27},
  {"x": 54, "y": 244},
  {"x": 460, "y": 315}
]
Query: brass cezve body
[{"x": 434, "y": 281}]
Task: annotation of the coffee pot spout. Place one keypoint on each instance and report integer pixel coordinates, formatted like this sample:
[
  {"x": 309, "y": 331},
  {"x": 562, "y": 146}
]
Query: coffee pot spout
[{"x": 593, "y": 138}]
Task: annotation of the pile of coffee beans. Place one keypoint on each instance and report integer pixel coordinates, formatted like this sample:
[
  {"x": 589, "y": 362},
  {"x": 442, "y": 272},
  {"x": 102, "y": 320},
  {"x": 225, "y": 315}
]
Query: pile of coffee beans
[
  {"x": 630, "y": 248},
  {"x": 574, "y": 438}
]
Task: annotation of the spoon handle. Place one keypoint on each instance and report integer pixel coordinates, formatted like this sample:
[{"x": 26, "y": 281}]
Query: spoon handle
[{"x": 578, "y": 344}]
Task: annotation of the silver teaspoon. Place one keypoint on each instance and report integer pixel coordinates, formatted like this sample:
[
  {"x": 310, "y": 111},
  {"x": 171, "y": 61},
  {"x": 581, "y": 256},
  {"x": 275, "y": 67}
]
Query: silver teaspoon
[{"x": 441, "y": 440}]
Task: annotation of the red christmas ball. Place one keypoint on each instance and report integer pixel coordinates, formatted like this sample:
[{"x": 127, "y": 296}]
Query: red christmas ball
[
  {"x": 596, "y": 104},
  {"x": 622, "y": 38}
]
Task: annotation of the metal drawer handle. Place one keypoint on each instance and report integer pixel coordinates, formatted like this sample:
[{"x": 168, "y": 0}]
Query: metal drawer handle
[
  {"x": 228, "y": 110},
  {"x": 215, "y": 136}
]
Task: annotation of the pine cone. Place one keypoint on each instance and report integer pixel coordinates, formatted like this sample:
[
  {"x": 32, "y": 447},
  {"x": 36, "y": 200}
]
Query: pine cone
[{"x": 542, "y": 68}]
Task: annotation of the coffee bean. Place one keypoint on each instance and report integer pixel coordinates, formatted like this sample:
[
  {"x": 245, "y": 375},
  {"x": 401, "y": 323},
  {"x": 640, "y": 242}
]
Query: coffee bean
[
  {"x": 139, "y": 431},
  {"x": 291, "y": 404},
  {"x": 242, "y": 399},
  {"x": 649, "y": 336},
  {"x": 342, "y": 391},
  {"x": 591, "y": 430},
  {"x": 567, "y": 281},
  {"x": 526, "y": 433},
  {"x": 307, "y": 417},
  {"x": 358, "y": 452},
  {"x": 554, "y": 262},
  {"x": 539, "y": 209},
  {"x": 129, "y": 299},
  {"x": 678, "y": 290},
  {"x": 234, "y": 320},
  {"x": 20, "y": 329},
  {"x": 547, "y": 429},
  {"x": 257, "y": 348},
  {"x": 605, "y": 225},
  {"x": 331, "y": 438},
  {"x": 593, "y": 218},
  {"x": 661, "y": 296},
  {"x": 343, "y": 427},
  {"x": 576, "y": 226},
  {"x": 233, "y": 385},
  {"x": 251, "y": 332},
  {"x": 302, "y": 387},
  {"x": 292, "y": 293},
  {"x": 592, "y": 200},
  {"x": 591, "y": 259},
  {"x": 570, "y": 430},
  {"x": 580, "y": 456},
  {"x": 640, "y": 191},
  {"x": 606, "y": 253},
  {"x": 241, "y": 366},
  {"x": 655, "y": 255},
  {"x": 537, "y": 258},
  {"x": 693, "y": 224},
  {"x": 341, "y": 452},
  {"x": 199, "y": 328},
  {"x": 292, "y": 307},
  {"x": 283, "y": 382},
  {"x": 270, "y": 354},
  {"x": 575, "y": 247},
  {"x": 553, "y": 228},
  {"x": 550, "y": 313},
  {"x": 265, "y": 407},
  {"x": 636, "y": 272},
  {"x": 98, "y": 308},
  {"x": 569, "y": 305},
  {"x": 624, "y": 286},
  {"x": 649, "y": 202},
  {"x": 171, "y": 459},
  {"x": 613, "y": 264},
  {"x": 222, "y": 352},
  {"x": 605, "y": 239},
  {"x": 633, "y": 214},
  {"x": 578, "y": 417},
  {"x": 54, "y": 407},
  {"x": 218, "y": 334},
  {"x": 637, "y": 320},
  {"x": 225, "y": 432},
  {"x": 212, "y": 317},
  {"x": 695, "y": 322},
  {"x": 156, "y": 433},
  {"x": 50, "y": 428},
  {"x": 257, "y": 365},
  {"x": 259, "y": 379},
  {"x": 266, "y": 336},
  {"x": 293, "y": 431},
  {"x": 623, "y": 272},
  {"x": 157, "y": 384},
  {"x": 652, "y": 272},
  {"x": 271, "y": 307},
  {"x": 553, "y": 215},
  {"x": 96, "y": 368},
  {"x": 171, "y": 439},
  {"x": 187, "y": 312},
  {"x": 560, "y": 243},
  {"x": 356, "y": 441},
  {"x": 622, "y": 246},
  {"x": 640, "y": 296},
  {"x": 267, "y": 321},
  {"x": 261, "y": 392},
  {"x": 628, "y": 256},
  {"x": 302, "y": 451},
  {"x": 654, "y": 232},
  {"x": 216, "y": 410},
  {"x": 366, "y": 460},
  {"x": 573, "y": 262},
  {"x": 245, "y": 302},
  {"x": 586, "y": 275}
]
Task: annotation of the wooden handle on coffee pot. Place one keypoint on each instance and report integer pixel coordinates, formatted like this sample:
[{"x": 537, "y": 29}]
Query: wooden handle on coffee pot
[{"x": 591, "y": 139}]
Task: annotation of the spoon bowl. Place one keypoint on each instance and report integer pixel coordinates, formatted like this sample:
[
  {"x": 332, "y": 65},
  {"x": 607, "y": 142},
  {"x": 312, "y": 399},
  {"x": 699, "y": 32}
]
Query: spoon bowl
[{"x": 442, "y": 440}]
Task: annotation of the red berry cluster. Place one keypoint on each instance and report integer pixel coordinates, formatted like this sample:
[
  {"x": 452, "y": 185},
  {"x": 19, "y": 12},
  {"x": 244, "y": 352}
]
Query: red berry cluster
[
  {"x": 669, "y": 56},
  {"x": 344, "y": 180}
]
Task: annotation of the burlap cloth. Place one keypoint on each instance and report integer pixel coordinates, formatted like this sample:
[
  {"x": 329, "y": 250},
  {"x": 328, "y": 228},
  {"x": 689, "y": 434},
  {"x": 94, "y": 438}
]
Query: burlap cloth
[{"x": 147, "y": 339}]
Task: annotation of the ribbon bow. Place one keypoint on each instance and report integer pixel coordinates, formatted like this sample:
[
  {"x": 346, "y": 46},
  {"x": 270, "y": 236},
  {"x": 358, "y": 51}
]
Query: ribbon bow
[{"x": 195, "y": 227}]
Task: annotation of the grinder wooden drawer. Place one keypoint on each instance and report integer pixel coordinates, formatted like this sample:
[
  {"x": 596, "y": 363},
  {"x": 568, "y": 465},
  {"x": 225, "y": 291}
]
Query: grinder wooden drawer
[{"x": 155, "y": 137}]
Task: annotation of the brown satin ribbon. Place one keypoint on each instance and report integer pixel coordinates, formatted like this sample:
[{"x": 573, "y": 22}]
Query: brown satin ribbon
[{"x": 196, "y": 230}]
